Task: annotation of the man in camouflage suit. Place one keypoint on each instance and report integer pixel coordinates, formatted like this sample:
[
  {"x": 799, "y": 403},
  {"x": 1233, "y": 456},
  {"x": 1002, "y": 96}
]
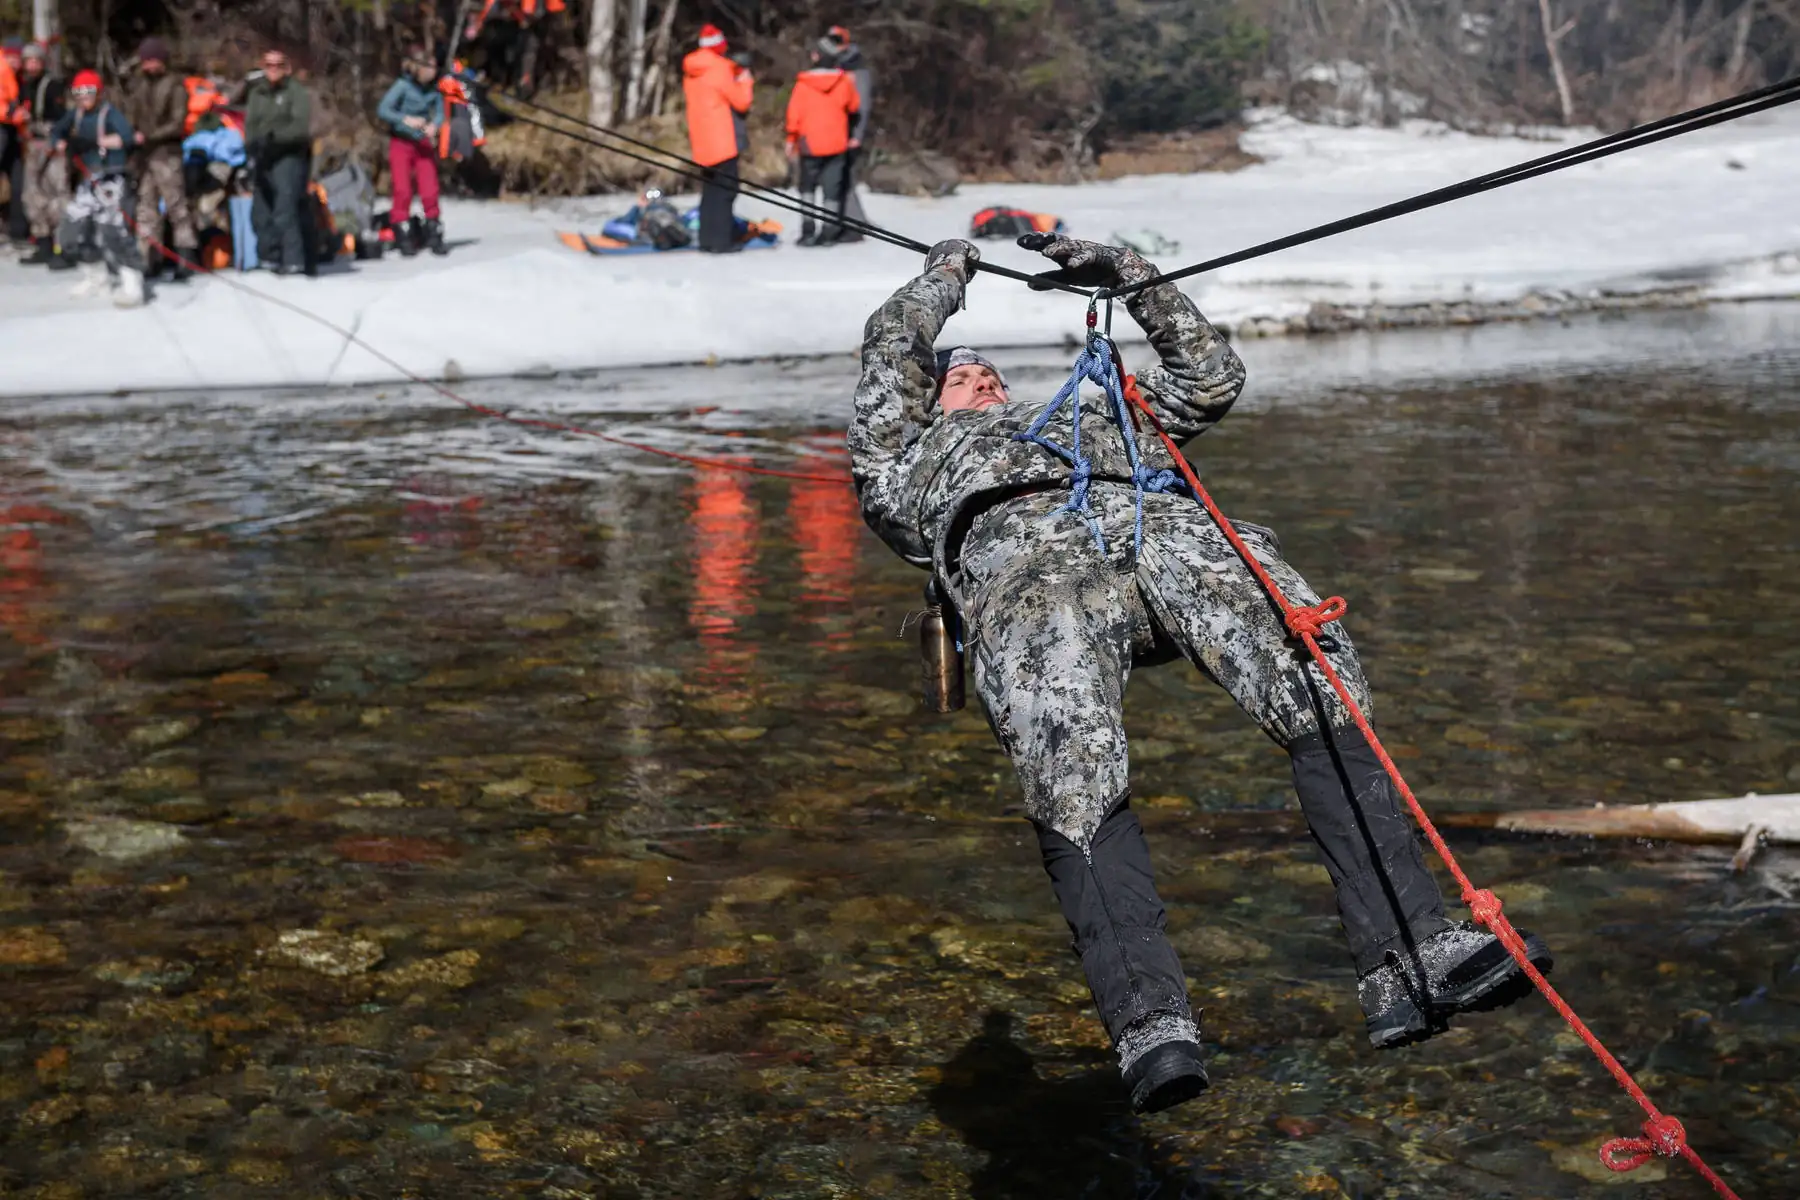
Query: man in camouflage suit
[
  {"x": 156, "y": 102},
  {"x": 1055, "y": 626}
]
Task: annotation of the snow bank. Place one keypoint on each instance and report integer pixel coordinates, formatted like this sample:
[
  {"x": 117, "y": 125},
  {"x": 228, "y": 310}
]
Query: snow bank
[{"x": 1711, "y": 212}]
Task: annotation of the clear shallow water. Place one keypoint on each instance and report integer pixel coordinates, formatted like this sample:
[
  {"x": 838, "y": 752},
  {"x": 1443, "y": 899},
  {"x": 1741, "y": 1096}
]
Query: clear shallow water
[{"x": 637, "y": 872}]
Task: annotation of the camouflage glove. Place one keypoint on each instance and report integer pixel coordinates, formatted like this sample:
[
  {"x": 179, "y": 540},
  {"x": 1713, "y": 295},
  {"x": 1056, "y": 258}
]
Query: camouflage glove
[
  {"x": 954, "y": 255},
  {"x": 1086, "y": 264}
]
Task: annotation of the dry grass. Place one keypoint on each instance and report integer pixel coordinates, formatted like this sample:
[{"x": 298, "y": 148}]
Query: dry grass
[
  {"x": 1214, "y": 149},
  {"x": 533, "y": 160}
]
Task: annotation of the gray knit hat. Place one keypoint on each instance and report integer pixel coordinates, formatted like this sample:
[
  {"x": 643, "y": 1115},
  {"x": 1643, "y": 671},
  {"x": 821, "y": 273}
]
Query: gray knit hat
[{"x": 962, "y": 356}]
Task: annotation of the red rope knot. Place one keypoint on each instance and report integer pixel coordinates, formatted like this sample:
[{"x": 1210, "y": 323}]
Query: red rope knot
[
  {"x": 1311, "y": 620},
  {"x": 1484, "y": 906},
  {"x": 1663, "y": 1135}
]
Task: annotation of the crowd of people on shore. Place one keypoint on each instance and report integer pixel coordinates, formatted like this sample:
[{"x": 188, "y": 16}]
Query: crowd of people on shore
[{"x": 103, "y": 179}]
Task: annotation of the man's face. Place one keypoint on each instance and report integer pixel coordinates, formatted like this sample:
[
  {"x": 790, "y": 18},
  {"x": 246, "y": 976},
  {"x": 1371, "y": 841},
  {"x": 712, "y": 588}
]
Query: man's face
[
  {"x": 153, "y": 66},
  {"x": 34, "y": 67},
  {"x": 85, "y": 98},
  {"x": 424, "y": 72},
  {"x": 970, "y": 386},
  {"x": 275, "y": 67}
]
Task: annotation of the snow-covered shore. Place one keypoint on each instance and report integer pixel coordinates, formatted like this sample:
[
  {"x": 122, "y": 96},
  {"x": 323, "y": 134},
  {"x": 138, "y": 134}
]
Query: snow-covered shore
[{"x": 1704, "y": 217}]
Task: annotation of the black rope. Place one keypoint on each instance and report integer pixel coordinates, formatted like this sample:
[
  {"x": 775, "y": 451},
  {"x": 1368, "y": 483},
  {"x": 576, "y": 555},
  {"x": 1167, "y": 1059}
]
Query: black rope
[
  {"x": 687, "y": 167},
  {"x": 1760, "y": 100}
]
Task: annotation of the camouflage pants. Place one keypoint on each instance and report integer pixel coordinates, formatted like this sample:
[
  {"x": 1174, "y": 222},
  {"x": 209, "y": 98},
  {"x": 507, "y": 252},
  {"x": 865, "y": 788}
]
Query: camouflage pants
[
  {"x": 93, "y": 225},
  {"x": 162, "y": 191},
  {"x": 46, "y": 187},
  {"x": 1056, "y": 629}
]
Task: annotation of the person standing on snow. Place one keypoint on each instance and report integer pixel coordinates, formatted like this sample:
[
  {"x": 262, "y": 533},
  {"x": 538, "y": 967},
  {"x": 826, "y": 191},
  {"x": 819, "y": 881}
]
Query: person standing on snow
[
  {"x": 718, "y": 92},
  {"x": 94, "y": 230},
  {"x": 157, "y": 103},
  {"x": 1056, "y": 621},
  {"x": 278, "y": 136},
  {"x": 43, "y": 99},
  {"x": 413, "y": 111},
  {"x": 850, "y": 57},
  {"x": 12, "y": 141},
  {"x": 820, "y": 114}
]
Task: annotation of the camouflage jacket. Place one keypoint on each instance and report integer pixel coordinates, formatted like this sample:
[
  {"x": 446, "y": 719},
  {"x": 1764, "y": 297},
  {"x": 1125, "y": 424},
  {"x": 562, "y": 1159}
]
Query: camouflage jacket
[{"x": 923, "y": 475}]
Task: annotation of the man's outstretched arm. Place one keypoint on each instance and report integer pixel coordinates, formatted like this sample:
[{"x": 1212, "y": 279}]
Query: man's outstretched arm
[
  {"x": 1198, "y": 375},
  {"x": 895, "y": 402}
]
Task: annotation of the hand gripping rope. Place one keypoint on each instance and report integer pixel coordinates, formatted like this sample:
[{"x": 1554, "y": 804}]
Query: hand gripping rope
[{"x": 1663, "y": 1134}]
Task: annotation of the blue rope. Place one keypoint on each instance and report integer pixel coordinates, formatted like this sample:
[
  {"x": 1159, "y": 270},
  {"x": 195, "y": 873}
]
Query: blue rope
[{"x": 1095, "y": 365}]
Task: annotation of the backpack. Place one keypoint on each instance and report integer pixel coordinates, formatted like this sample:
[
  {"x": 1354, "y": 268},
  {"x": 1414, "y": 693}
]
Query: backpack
[{"x": 1002, "y": 221}]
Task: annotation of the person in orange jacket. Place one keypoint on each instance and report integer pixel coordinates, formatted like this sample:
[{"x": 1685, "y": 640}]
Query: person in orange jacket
[
  {"x": 14, "y": 118},
  {"x": 718, "y": 91},
  {"x": 819, "y": 118}
]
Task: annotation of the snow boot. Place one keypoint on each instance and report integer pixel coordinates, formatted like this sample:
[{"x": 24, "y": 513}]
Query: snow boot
[
  {"x": 1460, "y": 969},
  {"x": 434, "y": 237},
  {"x": 180, "y": 272},
  {"x": 92, "y": 281},
  {"x": 42, "y": 252},
  {"x": 1164, "y": 1076},
  {"x": 128, "y": 289},
  {"x": 409, "y": 236}
]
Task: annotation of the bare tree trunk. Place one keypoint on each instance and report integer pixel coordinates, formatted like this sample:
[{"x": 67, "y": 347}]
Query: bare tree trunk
[
  {"x": 44, "y": 28},
  {"x": 379, "y": 12},
  {"x": 1553, "y": 36},
  {"x": 658, "y": 73},
  {"x": 1740, "y": 44},
  {"x": 634, "y": 69},
  {"x": 602, "y": 92}
]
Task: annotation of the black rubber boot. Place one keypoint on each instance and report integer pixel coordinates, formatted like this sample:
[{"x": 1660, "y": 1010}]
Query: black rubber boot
[
  {"x": 1460, "y": 969},
  {"x": 1108, "y": 896},
  {"x": 409, "y": 236},
  {"x": 434, "y": 238},
  {"x": 61, "y": 260},
  {"x": 1168, "y": 1075},
  {"x": 42, "y": 251}
]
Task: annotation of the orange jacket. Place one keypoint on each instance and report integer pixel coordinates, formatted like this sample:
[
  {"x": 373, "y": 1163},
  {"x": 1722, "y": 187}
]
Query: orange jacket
[
  {"x": 202, "y": 99},
  {"x": 718, "y": 94},
  {"x": 820, "y": 111},
  {"x": 9, "y": 96}
]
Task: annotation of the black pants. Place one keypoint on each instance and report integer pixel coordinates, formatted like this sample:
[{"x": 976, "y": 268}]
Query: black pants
[
  {"x": 720, "y": 190},
  {"x": 12, "y": 164},
  {"x": 1386, "y": 897},
  {"x": 823, "y": 182},
  {"x": 281, "y": 213}
]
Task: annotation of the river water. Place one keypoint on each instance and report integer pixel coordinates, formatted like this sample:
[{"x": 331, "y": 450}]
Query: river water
[{"x": 396, "y": 803}]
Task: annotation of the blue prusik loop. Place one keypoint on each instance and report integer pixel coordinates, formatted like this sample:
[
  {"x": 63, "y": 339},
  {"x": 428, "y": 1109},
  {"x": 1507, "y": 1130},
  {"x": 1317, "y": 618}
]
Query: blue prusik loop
[{"x": 1095, "y": 365}]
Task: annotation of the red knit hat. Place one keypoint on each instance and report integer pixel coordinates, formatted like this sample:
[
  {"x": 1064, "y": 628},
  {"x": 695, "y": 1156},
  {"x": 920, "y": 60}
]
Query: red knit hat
[
  {"x": 712, "y": 38},
  {"x": 85, "y": 79}
]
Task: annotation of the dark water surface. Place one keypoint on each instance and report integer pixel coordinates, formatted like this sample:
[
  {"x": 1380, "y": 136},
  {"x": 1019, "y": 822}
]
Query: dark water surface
[{"x": 395, "y": 803}]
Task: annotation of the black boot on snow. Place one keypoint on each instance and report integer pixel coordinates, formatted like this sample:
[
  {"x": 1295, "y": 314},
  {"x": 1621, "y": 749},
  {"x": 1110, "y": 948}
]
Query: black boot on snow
[
  {"x": 409, "y": 235},
  {"x": 434, "y": 238},
  {"x": 42, "y": 251},
  {"x": 60, "y": 260},
  {"x": 1165, "y": 1076},
  {"x": 1466, "y": 969}
]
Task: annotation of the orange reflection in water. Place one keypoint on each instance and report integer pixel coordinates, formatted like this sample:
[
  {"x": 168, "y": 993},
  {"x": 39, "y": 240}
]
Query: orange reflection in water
[
  {"x": 25, "y": 592},
  {"x": 826, "y": 525},
  {"x": 723, "y": 524}
]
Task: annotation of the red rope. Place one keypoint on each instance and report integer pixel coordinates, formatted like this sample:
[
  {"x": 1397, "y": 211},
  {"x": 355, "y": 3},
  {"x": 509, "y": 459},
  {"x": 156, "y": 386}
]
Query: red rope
[
  {"x": 711, "y": 464},
  {"x": 1663, "y": 1135}
]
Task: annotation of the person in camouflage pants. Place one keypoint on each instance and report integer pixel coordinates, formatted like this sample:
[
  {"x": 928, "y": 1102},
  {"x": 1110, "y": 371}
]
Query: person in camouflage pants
[
  {"x": 156, "y": 102},
  {"x": 1055, "y": 623}
]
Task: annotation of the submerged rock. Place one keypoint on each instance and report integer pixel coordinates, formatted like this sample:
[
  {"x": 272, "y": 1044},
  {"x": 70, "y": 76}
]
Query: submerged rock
[
  {"x": 333, "y": 954},
  {"x": 122, "y": 838}
]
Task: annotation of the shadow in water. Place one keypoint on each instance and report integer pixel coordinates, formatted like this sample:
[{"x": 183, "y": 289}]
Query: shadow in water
[{"x": 1071, "y": 1138}]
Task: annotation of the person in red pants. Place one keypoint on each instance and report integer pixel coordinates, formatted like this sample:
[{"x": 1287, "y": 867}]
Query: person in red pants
[{"x": 413, "y": 111}]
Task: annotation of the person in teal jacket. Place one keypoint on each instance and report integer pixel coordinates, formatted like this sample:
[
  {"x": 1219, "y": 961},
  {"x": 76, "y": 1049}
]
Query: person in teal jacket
[{"x": 413, "y": 111}]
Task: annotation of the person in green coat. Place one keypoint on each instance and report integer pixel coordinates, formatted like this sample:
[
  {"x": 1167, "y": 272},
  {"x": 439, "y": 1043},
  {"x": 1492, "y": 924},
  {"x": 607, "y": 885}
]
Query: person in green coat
[{"x": 278, "y": 136}]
